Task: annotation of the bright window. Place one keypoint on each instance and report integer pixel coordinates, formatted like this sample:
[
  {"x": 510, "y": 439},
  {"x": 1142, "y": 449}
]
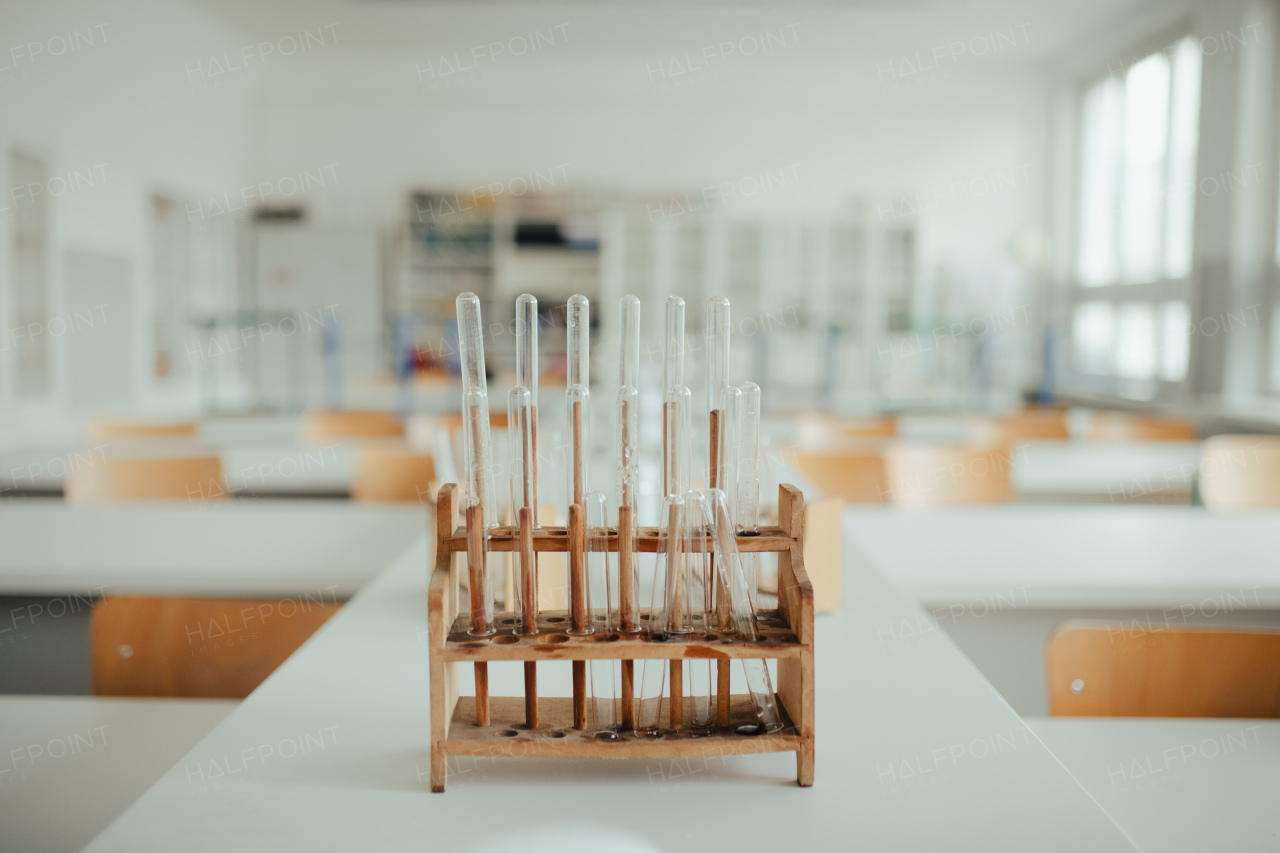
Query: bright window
[{"x": 1136, "y": 205}]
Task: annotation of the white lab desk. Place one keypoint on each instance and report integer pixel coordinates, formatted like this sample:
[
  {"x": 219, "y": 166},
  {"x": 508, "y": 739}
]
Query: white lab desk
[
  {"x": 1000, "y": 580},
  {"x": 1112, "y": 472},
  {"x": 1076, "y": 556},
  {"x": 1177, "y": 785},
  {"x": 223, "y": 548},
  {"x": 69, "y": 765},
  {"x": 915, "y": 751}
]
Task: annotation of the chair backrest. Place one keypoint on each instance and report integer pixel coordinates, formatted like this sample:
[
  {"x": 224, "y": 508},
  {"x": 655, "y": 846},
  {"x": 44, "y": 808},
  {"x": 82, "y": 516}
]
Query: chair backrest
[
  {"x": 344, "y": 423},
  {"x": 1100, "y": 669},
  {"x": 1046, "y": 425},
  {"x": 393, "y": 472},
  {"x": 1240, "y": 472},
  {"x": 816, "y": 428},
  {"x": 196, "y": 647},
  {"x": 102, "y": 428},
  {"x": 139, "y": 478},
  {"x": 920, "y": 476},
  {"x": 855, "y": 475},
  {"x": 1123, "y": 426}
]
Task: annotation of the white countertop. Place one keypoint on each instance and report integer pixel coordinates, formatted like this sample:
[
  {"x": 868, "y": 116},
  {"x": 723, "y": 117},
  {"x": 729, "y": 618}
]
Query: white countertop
[
  {"x": 1118, "y": 472},
  {"x": 1177, "y": 785},
  {"x": 225, "y": 548},
  {"x": 69, "y": 765},
  {"x": 915, "y": 751},
  {"x": 1135, "y": 557}
]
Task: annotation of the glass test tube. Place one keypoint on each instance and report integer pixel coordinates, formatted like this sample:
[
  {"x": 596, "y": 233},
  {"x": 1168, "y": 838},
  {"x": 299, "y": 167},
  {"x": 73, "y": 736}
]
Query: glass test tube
[
  {"x": 604, "y": 686},
  {"x": 480, "y": 497},
  {"x": 728, "y": 565},
  {"x": 673, "y": 344},
  {"x": 730, "y": 449},
  {"x": 698, "y": 587},
  {"x": 524, "y": 499},
  {"x": 653, "y": 672},
  {"x": 628, "y": 473},
  {"x": 676, "y": 438},
  {"x": 578, "y": 329},
  {"x": 717, "y": 347},
  {"x": 747, "y": 506},
  {"x": 527, "y": 369}
]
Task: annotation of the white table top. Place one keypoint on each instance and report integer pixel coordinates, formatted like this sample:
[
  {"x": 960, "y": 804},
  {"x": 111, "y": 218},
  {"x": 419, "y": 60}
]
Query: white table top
[
  {"x": 69, "y": 765},
  {"x": 896, "y": 767},
  {"x": 1077, "y": 556},
  {"x": 1116, "y": 471},
  {"x": 1177, "y": 785},
  {"x": 226, "y": 548}
]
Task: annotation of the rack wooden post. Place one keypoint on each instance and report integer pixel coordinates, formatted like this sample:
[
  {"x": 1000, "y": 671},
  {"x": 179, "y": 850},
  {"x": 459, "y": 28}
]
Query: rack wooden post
[{"x": 785, "y": 634}]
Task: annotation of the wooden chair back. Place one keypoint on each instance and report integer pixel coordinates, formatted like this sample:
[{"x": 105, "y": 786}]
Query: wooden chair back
[
  {"x": 855, "y": 475},
  {"x": 922, "y": 476},
  {"x": 1240, "y": 472},
  {"x": 138, "y": 478},
  {"x": 197, "y": 647},
  {"x": 1124, "y": 426},
  {"x": 1097, "y": 669},
  {"x": 103, "y": 428},
  {"x": 393, "y": 472},
  {"x": 349, "y": 423}
]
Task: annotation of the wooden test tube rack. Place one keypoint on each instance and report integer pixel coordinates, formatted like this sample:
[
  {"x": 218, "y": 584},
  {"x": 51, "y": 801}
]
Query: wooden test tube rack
[{"x": 785, "y": 634}]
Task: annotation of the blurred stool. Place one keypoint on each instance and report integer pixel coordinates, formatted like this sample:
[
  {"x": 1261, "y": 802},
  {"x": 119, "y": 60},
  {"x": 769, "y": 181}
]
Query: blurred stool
[
  {"x": 151, "y": 471},
  {"x": 1123, "y": 426},
  {"x": 921, "y": 476},
  {"x": 324, "y": 425},
  {"x": 392, "y": 471},
  {"x": 1049, "y": 425},
  {"x": 1097, "y": 669},
  {"x": 105, "y": 428},
  {"x": 1240, "y": 472},
  {"x": 851, "y": 470}
]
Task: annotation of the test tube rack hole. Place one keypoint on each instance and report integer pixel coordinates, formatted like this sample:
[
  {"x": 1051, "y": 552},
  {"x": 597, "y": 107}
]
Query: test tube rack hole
[{"x": 495, "y": 726}]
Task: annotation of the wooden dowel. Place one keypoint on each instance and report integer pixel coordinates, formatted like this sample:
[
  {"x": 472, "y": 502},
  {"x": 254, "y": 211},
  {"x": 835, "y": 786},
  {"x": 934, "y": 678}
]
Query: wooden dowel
[
  {"x": 579, "y": 694},
  {"x": 577, "y": 570},
  {"x": 677, "y": 695},
  {"x": 578, "y": 608},
  {"x": 666, "y": 452},
  {"x": 529, "y": 612},
  {"x": 628, "y": 618},
  {"x": 579, "y": 455},
  {"x": 722, "y": 691},
  {"x": 628, "y": 695},
  {"x": 479, "y": 624},
  {"x": 528, "y": 575},
  {"x": 531, "y": 694},
  {"x": 482, "y": 694},
  {"x": 476, "y": 568},
  {"x": 724, "y": 612}
]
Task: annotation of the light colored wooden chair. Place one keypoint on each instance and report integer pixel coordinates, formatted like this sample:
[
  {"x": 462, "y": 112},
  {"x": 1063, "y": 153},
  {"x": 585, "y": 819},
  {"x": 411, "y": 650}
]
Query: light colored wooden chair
[
  {"x": 1098, "y": 669},
  {"x": 1240, "y": 472},
  {"x": 349, "y": 423},
  {"x": 1048, "y": 425},
  {"x": 1124, "y": 426},
  {"x": 815, "y": 428},
  {"x": 392, "y": 471},
  {"x": 853, "y": 472},
  {"x": 116, "y": 477},
  {"x": 197, "y": 647},
  {"x": 103, "y": 428},
  {"x": 921, "y": 476}
]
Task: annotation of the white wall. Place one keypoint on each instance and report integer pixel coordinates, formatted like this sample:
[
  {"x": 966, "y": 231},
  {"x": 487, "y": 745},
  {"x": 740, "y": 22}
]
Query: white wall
[{"x": 125, "y": 104}]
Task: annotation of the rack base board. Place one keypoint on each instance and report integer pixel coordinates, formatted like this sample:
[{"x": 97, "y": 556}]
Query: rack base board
[{"x": 555, "y": 737}]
